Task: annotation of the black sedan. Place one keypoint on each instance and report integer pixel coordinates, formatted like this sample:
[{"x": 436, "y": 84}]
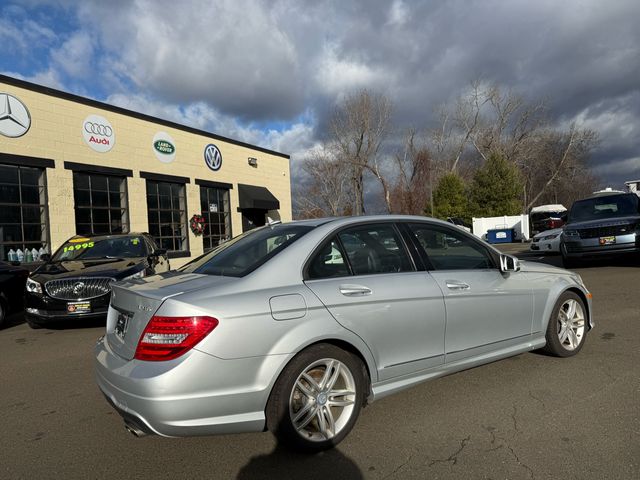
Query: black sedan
[
  {"x": 75, "y": 283},
  {"x": 12, "y": 281}
]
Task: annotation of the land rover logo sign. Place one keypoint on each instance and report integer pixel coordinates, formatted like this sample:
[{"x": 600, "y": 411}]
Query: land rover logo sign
[
  {"x": 212, "y": 157},
  {"x": 98, "y": 133},
  {"x": 164, "y": 147},
  {"x": 14, "y": 116}
]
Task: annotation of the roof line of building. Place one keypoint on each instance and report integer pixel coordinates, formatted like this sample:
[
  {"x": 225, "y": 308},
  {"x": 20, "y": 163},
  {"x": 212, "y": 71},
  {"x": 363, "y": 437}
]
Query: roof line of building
[{"x": 123, "y": 111}]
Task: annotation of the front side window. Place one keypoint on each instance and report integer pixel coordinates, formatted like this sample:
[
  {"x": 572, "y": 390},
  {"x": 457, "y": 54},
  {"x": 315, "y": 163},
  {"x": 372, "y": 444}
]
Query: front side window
[
  {"x": 167, "y": 210},
  {"x": 243, "y": 254},
  {"x": 214, "y": 204},
  {"x": 375, "y": 249},
  {"x": 100, "y": 204},
  {"x": 23, "y": 212},
  {"x": 451, "y": 250}
]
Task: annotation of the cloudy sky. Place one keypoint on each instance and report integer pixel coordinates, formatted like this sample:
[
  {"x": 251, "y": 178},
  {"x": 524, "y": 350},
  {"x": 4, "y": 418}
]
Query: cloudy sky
[{"x": 269, "y": 72}]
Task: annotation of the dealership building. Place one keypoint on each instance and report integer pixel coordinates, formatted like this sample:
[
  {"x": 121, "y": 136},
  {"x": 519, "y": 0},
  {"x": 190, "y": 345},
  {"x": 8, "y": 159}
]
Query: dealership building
[{"x": 70, "y": 165}]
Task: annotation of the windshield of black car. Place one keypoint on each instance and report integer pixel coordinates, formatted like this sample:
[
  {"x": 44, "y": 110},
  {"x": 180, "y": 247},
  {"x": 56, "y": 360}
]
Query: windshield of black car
[
  {"x": 243, "y": 254},
  {"x": 99, "y": 248},
  {"x": 598, "y": 208}
]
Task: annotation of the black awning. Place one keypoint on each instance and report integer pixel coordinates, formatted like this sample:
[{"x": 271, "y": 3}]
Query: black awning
[{"x": 252, "y": 196}]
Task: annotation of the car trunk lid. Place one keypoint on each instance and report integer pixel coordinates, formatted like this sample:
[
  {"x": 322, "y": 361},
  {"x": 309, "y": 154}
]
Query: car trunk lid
[{"x": 134, "y": 303}]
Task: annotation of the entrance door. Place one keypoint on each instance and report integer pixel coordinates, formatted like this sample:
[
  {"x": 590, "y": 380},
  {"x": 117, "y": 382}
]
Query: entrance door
[{"x": 252, "y": 218}]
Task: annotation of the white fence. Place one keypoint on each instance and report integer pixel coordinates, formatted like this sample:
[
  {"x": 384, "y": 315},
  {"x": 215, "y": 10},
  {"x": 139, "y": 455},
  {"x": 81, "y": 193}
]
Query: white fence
[{"x": 520, "y": 223}]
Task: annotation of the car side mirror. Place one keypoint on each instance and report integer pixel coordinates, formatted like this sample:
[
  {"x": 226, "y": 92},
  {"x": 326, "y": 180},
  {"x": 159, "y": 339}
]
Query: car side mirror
[
  {"x": 509, "y": 263},
  {"x": 45, "y": 257}
]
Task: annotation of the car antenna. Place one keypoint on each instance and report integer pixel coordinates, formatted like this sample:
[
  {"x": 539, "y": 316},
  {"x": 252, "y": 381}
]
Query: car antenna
[{"x": 271, "y": 222}]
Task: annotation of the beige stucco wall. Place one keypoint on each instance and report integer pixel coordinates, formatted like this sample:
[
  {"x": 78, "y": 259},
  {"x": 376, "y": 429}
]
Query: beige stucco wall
[{"x": 56, "y": 133}]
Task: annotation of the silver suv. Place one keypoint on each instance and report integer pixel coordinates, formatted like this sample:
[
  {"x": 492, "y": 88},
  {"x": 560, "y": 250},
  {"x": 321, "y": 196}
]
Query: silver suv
[{"x": 604, "y": 224}]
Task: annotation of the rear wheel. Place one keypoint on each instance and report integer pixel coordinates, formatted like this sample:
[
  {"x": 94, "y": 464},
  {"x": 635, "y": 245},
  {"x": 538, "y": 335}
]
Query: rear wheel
[
  {"x": 567, "y": 328},
  {"x": 3, "y": 312},
  {"x": 317, "y": 398}
]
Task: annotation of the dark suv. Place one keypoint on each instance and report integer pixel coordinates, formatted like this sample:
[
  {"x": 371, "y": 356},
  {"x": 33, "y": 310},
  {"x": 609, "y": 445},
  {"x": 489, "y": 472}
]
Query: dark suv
[{"x": 605, "y": 224}]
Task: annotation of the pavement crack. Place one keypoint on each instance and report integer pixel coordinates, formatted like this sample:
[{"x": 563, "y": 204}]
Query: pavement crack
[
  {"x": 515, "y": 420},
  {"x": 519, "y": 462},
  {"x": 453, "y": 458},
  {"x": 537, "y": 399},
  {"x": 399, "y": 467}
]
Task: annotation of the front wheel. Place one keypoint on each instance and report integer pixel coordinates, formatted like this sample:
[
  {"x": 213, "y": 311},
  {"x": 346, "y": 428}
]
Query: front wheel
[
  {"x": 567, "y": 328},
  {"x": 317, "y": 398}
]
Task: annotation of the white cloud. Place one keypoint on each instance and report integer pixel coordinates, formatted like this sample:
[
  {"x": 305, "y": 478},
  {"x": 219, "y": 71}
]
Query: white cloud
[{"x": 398, "y": 13}]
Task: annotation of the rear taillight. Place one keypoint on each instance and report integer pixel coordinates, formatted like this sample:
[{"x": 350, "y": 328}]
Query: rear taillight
[{"x": 166, "y": 338}]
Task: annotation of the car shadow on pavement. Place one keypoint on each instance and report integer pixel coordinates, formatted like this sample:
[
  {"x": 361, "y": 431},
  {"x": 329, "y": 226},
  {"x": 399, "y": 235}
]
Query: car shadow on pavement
[{"x": 282, "y": 463}]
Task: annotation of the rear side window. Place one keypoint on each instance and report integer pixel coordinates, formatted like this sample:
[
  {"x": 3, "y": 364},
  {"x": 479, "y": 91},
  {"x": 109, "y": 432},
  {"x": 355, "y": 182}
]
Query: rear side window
[
  {"x": 243, "y": 254},
  {"x": 451, "y": 250},
  {"x": 375, "y": 249},
  {"x": 329, "y": 262}
]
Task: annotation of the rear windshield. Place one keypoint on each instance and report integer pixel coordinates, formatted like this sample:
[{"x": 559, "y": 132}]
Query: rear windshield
[
  {"x": 101, "y": 247},
  {"x": 242, "y": 255},
  {"x": 604, "y": 207}
]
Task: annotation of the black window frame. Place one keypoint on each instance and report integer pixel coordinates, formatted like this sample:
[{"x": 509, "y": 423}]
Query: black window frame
[
  {"x": 39, "y": 165},
  {"x": 123, "y": 191},
  {"x": 180, "y": 182}
]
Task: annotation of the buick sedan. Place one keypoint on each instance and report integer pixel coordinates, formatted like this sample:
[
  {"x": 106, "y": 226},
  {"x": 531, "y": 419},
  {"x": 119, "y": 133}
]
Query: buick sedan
[{"x": 294, "y": 327}]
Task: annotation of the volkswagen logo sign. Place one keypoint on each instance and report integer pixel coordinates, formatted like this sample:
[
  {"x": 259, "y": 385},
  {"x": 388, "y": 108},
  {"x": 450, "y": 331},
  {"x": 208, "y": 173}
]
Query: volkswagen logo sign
[
  {"x": 98, "y": 133},
  {"x": 15, "y": 119},
  {"x": 78, "y": 289},
  {"x": 212, "y": 157}
]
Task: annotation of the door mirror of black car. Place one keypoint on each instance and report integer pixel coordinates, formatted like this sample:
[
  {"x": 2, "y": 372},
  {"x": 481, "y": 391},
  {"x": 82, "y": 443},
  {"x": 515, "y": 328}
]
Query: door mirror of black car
[
  {"x": 509, "y": 263},
  {"x": 45, "y": 257}
]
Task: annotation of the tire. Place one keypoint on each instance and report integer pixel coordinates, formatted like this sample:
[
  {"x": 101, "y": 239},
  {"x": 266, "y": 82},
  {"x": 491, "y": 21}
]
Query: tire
[
  {"x": 567, "y": 262},
  {"x": 567, "y": 327},
  {"x": 301, "y": 396},
  {"x": 3, "y": 312}
]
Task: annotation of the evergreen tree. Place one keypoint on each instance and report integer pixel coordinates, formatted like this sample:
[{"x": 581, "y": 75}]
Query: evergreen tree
[
  {"x": 450, "y": 198},
  {"x": 496, "y": 189}
]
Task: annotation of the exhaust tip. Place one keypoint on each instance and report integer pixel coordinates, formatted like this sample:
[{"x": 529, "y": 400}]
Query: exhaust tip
[{"x": 133, "y": 430}]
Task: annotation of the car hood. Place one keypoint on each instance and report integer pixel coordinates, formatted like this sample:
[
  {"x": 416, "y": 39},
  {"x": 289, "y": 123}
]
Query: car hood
[
  {"x": 603, "y": 222},
  {"x": 553, "y": 231},
  {"x": 536, "y": 267},
  {"x": 108, "y": 267}
]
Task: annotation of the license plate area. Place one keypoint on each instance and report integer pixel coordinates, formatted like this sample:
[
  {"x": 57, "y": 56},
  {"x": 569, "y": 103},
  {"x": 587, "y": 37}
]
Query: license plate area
[
  {"x": 122, "y": 323},
  {"x": 607, "y": 240},
  {"x": 78, "y": 307}
]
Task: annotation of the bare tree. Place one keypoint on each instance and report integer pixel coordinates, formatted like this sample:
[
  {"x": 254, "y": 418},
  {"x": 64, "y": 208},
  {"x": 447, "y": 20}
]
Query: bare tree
[
  {"x": 327, "y": 188},
  {"x": 358, "y": 128},
  {"x": 411, "y": 188}
]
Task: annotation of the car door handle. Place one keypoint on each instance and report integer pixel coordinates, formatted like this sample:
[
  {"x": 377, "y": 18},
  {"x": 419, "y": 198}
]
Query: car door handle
[
  {"x": 354, "y": 290},
  {"x": 456, "y": 285}
]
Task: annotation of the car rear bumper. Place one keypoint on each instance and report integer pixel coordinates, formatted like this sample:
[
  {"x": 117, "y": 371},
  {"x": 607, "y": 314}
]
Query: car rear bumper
[{"x": 196, "y": 394}]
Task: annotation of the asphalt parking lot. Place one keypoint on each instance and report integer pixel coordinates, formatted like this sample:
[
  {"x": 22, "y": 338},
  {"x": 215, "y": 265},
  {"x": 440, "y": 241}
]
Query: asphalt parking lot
[{"x": 527, "y": 417}]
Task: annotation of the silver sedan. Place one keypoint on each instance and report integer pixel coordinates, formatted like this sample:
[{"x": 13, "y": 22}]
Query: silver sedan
[{"x": 295, "y": 327}]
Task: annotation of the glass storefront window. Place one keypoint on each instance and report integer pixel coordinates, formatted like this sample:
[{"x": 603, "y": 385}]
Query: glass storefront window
[
  {"x": 167, "y": 210},
  {"x": 23, "y": 211},
  {"x": 100, "y": 204},
  {"x": 214, "y": 204}
]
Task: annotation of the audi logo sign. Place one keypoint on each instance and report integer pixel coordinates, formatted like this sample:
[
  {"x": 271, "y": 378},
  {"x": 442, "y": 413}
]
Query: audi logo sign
[{"x": 98, "y": 133}]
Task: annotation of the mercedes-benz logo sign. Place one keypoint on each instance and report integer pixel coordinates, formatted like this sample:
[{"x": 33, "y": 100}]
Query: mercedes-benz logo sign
[
  {"x": 15, "y": 119},
  {"x": 98, "y": 129},
  {"x": 98, "y": 133},
  {"x": 212, "y": 157},
  {"x": 78, "y": 289}
]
